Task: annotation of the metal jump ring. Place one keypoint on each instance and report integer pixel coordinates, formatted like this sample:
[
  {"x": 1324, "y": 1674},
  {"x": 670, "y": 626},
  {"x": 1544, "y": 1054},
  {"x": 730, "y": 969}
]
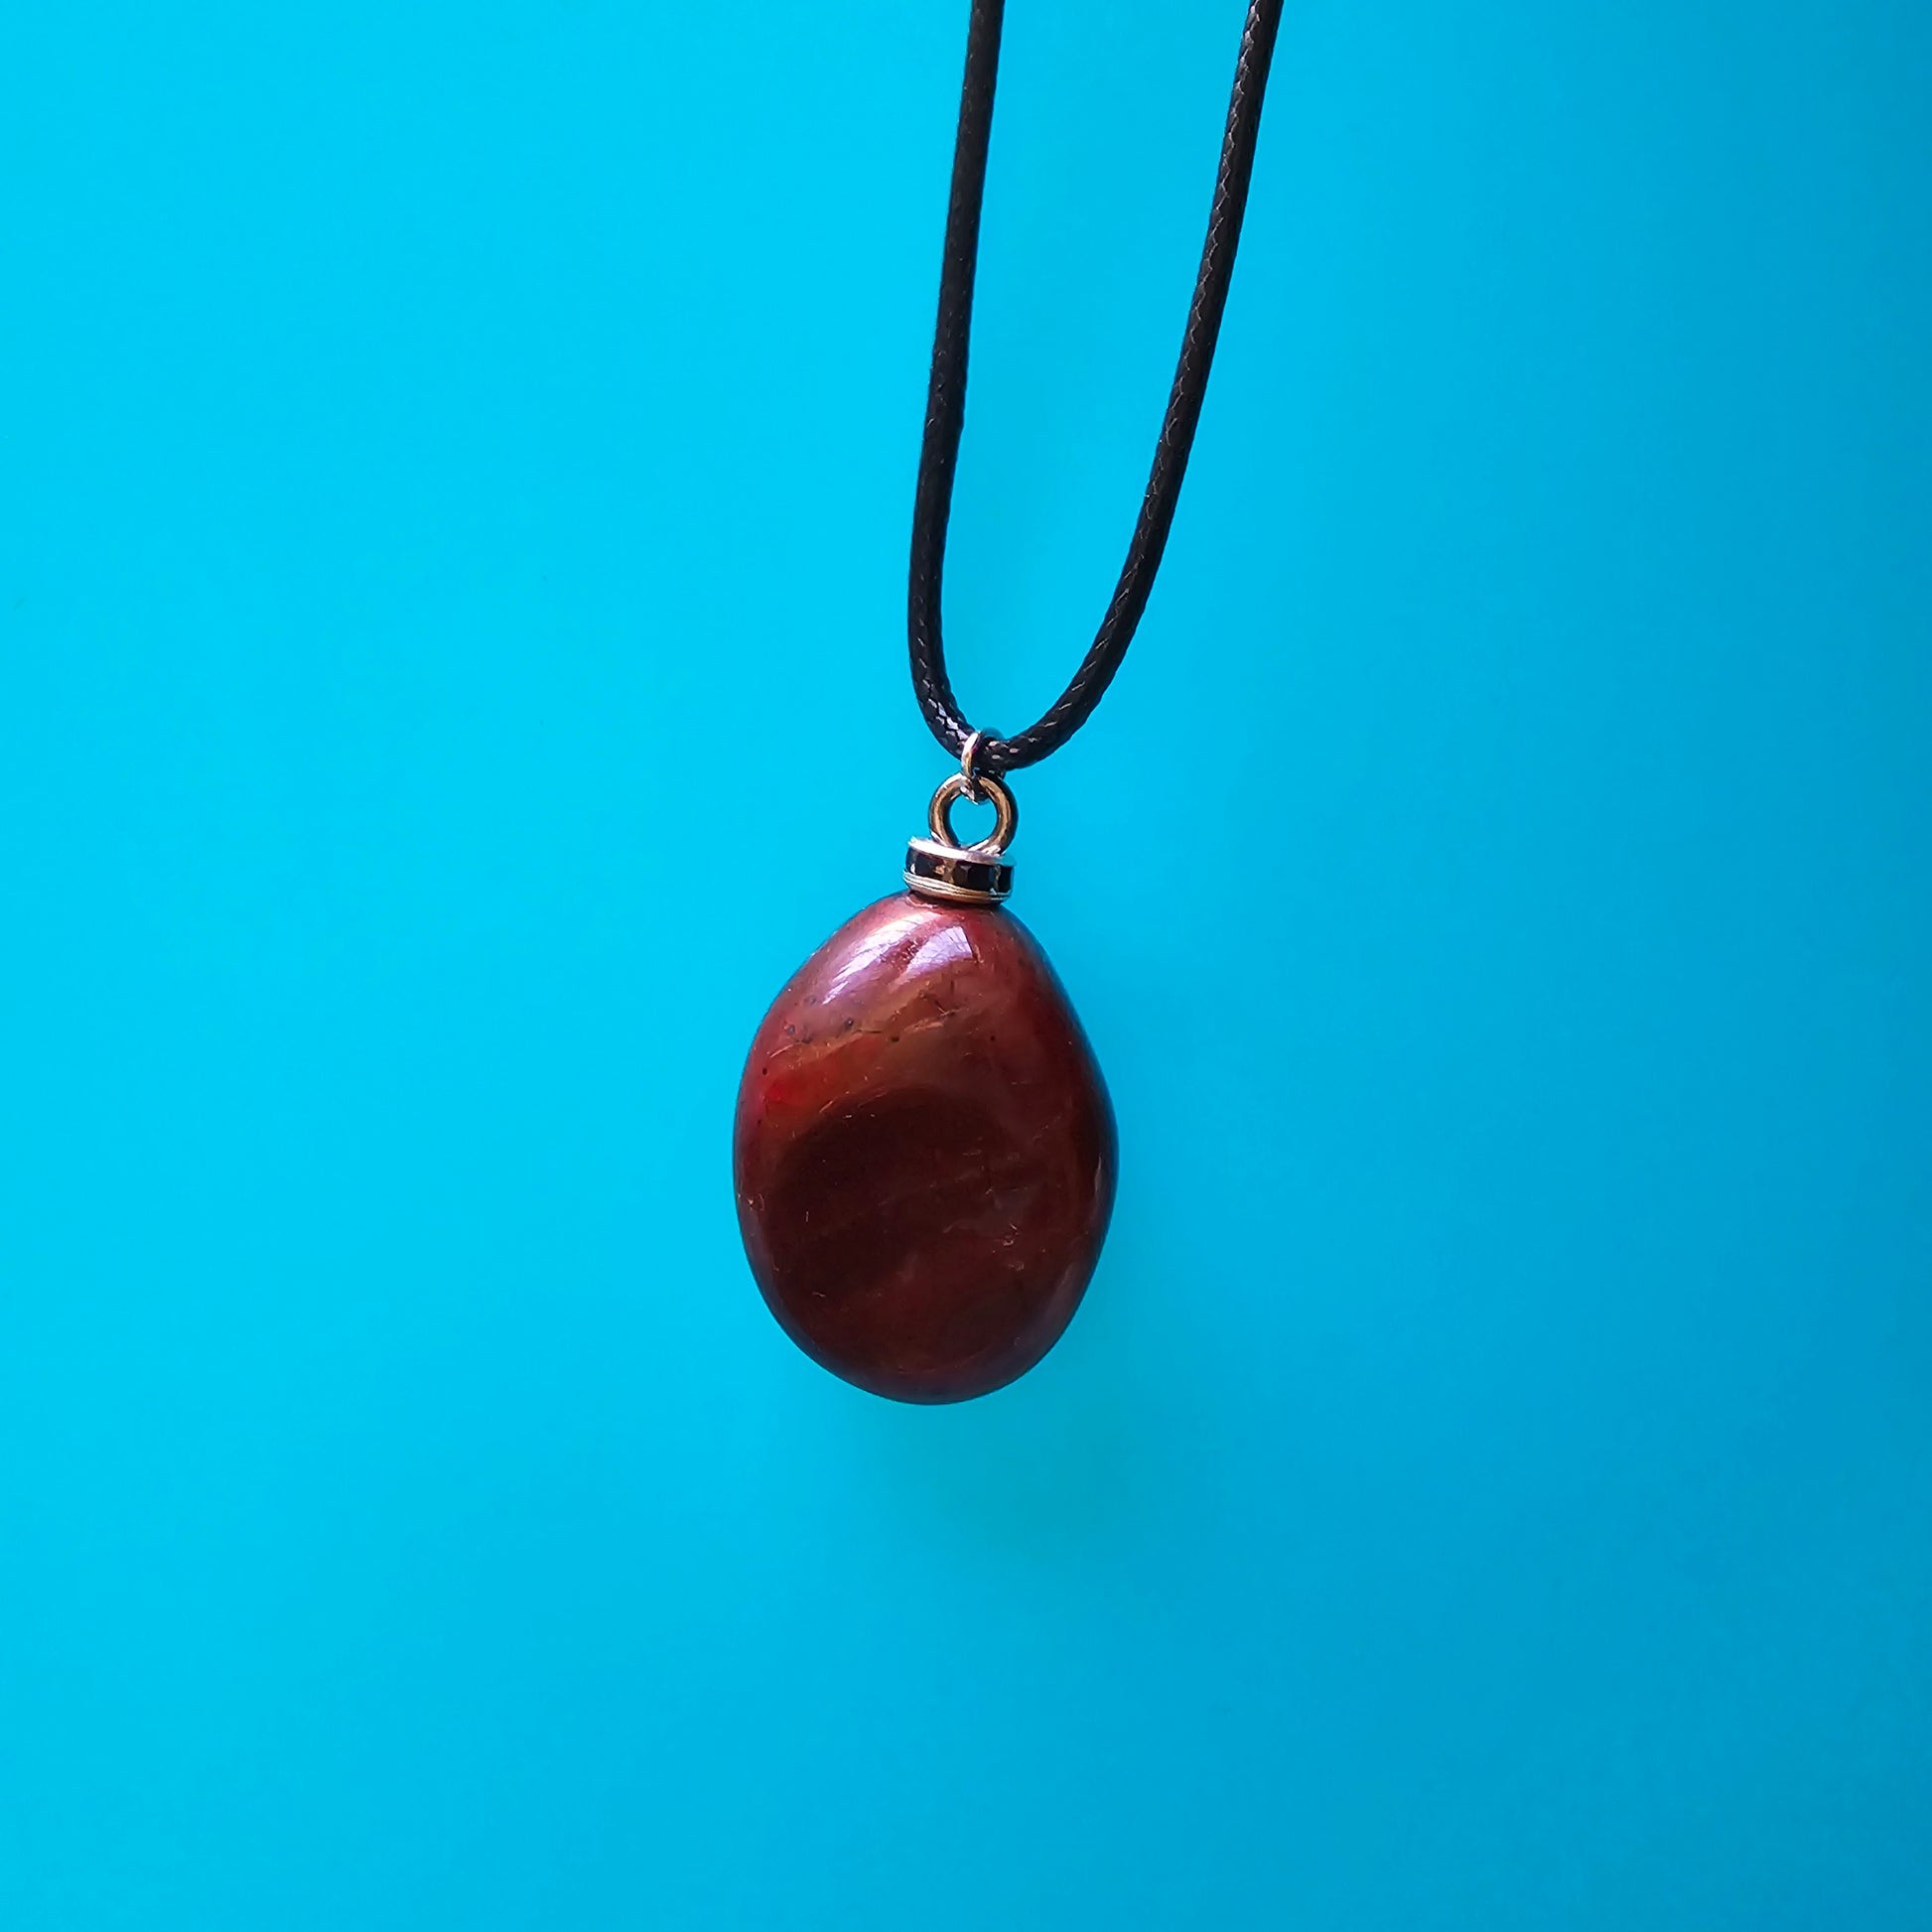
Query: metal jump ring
[
  {"x": 968, "y": 757},
  {"x": 1006, "y": 820}
]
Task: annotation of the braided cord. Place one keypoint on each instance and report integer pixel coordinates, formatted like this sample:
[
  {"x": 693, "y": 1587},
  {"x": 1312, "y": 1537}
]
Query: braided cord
[{"x": 946, "y": 411}]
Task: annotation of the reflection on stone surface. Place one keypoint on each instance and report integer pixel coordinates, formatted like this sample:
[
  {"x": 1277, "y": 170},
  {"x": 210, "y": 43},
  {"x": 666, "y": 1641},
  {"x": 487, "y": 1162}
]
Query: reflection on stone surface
[{"x": 924, "y": 1152}]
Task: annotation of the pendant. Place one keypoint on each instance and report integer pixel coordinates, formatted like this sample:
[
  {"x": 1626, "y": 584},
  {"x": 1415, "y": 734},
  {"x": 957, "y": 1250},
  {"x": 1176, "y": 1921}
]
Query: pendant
[{"x": 924, "y": 1149}]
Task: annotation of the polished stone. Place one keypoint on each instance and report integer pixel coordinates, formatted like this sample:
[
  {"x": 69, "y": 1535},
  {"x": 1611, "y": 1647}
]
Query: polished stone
[{"x": 925, "y": 1152}]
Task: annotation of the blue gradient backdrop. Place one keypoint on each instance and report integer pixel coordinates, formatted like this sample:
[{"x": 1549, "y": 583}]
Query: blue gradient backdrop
[{"x": 457, "y": 464}]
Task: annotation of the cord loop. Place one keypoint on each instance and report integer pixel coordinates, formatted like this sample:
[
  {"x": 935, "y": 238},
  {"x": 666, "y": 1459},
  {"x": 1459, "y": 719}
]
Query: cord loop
[{"x": 945, "y": 409}]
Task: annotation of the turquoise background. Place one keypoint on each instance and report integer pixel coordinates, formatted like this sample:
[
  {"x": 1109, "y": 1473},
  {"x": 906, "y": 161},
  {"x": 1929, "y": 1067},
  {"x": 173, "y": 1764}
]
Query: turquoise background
[{"x": 458, "y": 464}]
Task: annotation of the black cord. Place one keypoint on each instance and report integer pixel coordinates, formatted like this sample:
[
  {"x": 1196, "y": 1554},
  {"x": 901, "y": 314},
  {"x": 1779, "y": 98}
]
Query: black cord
[{"x": 945, "y": 409}]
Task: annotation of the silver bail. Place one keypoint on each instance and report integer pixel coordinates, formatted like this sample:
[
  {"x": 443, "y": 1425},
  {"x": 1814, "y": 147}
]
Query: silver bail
[{"x": 941, "y": 867}]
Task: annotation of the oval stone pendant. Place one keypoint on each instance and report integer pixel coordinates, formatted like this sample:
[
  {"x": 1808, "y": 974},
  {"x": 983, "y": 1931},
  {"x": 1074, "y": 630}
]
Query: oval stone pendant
[{"x": 924, "y": 1149}]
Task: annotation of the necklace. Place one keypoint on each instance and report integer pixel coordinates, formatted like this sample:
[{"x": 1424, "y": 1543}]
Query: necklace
[{"x": 925, "y": 1152}]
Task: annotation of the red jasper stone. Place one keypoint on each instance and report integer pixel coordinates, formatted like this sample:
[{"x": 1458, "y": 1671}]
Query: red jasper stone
[{"x": 924, "y": 1152}]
